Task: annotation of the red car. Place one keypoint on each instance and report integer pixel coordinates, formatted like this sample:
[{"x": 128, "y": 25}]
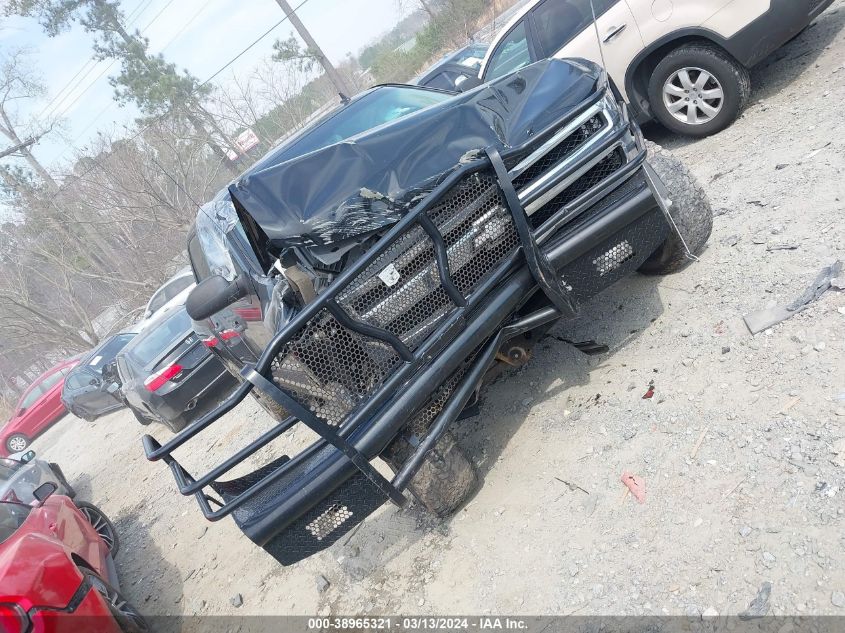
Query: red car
[
  {"x": 56, "y": 570},
  {"x": 40, "y": 406}
]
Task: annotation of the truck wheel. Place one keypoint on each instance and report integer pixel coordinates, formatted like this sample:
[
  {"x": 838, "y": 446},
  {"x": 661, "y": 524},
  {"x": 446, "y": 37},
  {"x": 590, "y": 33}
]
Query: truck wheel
[
  {"x": 446, "y": 478},
  {"x": 690, "y": 209},
  {"x": 698, "y": 90}
]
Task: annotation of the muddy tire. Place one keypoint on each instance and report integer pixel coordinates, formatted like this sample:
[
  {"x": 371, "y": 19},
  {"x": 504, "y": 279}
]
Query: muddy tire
[
  {"x": 690, "y": 210},
  {"x": 446, "y": 478}
]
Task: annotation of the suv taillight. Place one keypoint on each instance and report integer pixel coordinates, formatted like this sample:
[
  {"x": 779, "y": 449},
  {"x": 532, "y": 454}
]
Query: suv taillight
[
  {"x": 162, "y": 377},
  {"x": 13, "y": 619}
]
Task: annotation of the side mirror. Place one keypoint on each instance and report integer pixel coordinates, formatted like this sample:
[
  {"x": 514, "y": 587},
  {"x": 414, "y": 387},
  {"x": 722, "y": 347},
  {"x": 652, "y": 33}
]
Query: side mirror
[
  {"x": 27, "y": 457},
  {"x": 215, "y": 294},
  {"x": 43, "y": 492}
]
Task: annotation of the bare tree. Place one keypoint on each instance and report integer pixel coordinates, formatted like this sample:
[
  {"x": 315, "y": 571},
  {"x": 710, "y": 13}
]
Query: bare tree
[{"x": 17, "y": 84}]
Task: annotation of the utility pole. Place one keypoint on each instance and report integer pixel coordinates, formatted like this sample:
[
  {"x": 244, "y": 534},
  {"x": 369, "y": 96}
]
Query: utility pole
[{"x": 334, "y": 76}]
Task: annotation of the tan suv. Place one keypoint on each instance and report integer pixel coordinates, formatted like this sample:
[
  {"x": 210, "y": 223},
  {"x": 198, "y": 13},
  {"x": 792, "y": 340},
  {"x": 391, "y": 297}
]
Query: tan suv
[{"x": 683, "y": 62}]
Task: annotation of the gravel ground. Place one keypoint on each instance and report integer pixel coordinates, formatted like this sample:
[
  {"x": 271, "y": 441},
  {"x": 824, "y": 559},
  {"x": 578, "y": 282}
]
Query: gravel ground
[{"x": 741, "y": 448}]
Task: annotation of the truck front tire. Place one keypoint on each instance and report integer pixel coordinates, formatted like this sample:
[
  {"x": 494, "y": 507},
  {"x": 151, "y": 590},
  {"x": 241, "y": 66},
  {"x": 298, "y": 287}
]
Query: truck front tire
[
  {"x": 446, "y": 478},
  {"x": 690, "y": 210}
]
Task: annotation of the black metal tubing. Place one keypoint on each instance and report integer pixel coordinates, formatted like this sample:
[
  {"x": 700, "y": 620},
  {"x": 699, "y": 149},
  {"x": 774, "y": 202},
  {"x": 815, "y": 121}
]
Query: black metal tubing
[
  {"x": 467, "y": 386},
  {"x": 154, "y": 451},
  {"x": 368, "y": 330},
  {"x": 540, "y": 268},
  {"x": 260, "y": 442},
  {"x": 325, "y": 431},
  {"x": 575, "y": 208},
  {"x": 442, "y": 256}
]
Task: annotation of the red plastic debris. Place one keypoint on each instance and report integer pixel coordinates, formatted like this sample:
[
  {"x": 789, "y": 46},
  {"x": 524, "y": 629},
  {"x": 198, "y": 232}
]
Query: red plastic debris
[
  {"x": 650, "y": 393},
  {"x": 635, "y": 484}
]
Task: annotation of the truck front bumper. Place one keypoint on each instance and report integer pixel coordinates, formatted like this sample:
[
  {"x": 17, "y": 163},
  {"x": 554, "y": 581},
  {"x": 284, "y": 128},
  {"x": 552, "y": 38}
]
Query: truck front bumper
[{"x": 573, "y": 244}]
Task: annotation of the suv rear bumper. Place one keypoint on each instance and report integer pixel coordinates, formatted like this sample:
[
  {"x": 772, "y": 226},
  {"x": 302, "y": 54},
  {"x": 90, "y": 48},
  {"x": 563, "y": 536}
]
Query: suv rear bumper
[{"x": 784, "y": 20}]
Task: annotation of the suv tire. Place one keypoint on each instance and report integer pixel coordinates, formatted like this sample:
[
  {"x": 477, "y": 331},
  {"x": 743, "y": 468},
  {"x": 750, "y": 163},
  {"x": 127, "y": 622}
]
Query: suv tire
[
  {"x": 690, "y": 210},
  {"x": 682, "y": 69}
]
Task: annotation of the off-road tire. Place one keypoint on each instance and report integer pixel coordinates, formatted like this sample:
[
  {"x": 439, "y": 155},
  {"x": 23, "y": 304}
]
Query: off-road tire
[
  {"x": 87, "y": 508},
  {"x": 734, "y": 77},
  {"x": 690, "y": 210},
  {"x": 128, "y": 618},
  {"x": 446, "y": 478}
]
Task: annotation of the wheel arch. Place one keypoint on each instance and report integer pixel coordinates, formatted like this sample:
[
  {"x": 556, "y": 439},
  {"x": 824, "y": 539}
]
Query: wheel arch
[{"x": 640, "y": 69}]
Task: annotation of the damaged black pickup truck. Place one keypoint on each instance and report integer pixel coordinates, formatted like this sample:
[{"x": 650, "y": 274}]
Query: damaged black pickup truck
[{"x": 366, "y": 276}]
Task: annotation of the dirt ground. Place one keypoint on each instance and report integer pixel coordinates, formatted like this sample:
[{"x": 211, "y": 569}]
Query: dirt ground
[{"x": 738, "y": 447}]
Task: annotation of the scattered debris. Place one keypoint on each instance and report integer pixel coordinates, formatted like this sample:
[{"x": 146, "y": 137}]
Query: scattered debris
[
  {"x": 699, "y": 442},
  {"x": 635, "y": 485},
  {"x": 782, "y": 246},
  {"x": 571, "y": 486},
  {"x": 759, "y": 203},
  {"x": 650, "y": 393},
  {"x": 781, "y": 166},
  {"x": 731, "y": 240},
  {"x": 789, "y": 405},
  {"x": 764, "y": 319},
  {"x": 837, "y": 599},
  {"x": 322, "y": 583},
  {"x": 745, "y": 531},
  {"x": 758, "y": 607},
  {"x": 726, "y": 349},
  {"x": 816, "y": 152},
  {"x": 237, "y": 600}
]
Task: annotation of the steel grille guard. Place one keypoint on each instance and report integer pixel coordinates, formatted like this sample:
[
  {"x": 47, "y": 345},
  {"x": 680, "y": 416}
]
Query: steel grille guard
[{"x": 516, "y": 279}]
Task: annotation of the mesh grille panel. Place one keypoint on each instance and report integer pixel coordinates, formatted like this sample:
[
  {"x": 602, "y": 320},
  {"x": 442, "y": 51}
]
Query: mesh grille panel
[
  {"x": 581, "y": 186},
  {"x": 559, "y": 152},
  {"x": 330, "y": 369}
]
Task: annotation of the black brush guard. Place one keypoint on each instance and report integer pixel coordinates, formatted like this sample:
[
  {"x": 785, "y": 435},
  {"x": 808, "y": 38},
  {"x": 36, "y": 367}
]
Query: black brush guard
[{"x": 296, "y": 507}]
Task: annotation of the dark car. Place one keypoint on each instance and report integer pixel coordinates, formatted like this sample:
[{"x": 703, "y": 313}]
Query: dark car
[
  {"x": 87, "y": 393},
  {"x": 168, "y": 374},
  {"x": 455, "y": 70},
  {"x": 403, "y": 249}
]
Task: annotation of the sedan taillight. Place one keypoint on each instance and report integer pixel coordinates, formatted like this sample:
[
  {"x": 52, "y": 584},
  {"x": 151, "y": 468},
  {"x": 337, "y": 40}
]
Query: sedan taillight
[
  {"x": 162, "y": 377},
  {"x": 13, "y": 619}
]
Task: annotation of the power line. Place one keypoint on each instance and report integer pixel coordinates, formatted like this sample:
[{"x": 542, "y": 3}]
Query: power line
[
  {"x": 170, "y": 110},
  {"x": 67, "y": 108},
  {"x": 131, "y": 17},
  {"x": 112, "y": 103},
  {"x": 265, "y": 34}
]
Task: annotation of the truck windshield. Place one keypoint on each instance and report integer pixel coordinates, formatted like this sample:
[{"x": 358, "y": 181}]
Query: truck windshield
[{"x": 378, "y": 107}]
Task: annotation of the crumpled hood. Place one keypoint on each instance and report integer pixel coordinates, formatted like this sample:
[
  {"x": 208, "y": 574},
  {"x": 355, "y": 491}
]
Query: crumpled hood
[{"x": 371, "y": 180}]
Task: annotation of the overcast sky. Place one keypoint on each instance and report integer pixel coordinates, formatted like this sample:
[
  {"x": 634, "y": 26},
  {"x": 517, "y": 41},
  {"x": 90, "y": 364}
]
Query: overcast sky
[{"x": 198, "y": 35}]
